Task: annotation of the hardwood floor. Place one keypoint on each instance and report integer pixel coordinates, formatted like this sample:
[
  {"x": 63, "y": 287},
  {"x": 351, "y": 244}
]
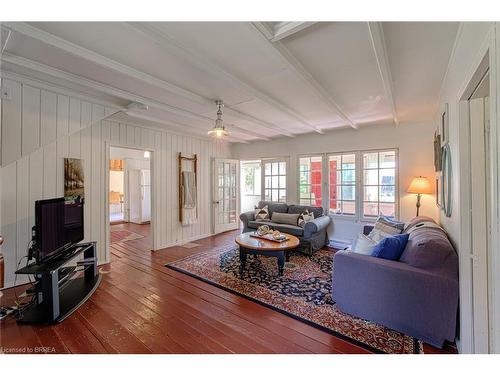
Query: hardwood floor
[{"x": 143, "y": 307}]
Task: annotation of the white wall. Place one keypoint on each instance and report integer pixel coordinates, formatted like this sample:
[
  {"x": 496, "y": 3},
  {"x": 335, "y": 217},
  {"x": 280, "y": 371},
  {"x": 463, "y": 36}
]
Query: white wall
[
  {"x": 473, "y": 40},
  {"x": 415, "y": 144},
  {"x": 30, "y": 175}
]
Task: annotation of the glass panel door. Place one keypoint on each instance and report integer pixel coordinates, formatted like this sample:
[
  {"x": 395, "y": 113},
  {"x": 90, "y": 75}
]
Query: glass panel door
[{"x": 225, "y": 194}]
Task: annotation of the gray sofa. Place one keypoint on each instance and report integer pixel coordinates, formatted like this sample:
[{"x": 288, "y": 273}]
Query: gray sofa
[
  {"x": 417, "y": 295},
  {"x": 312, "y": 237}
]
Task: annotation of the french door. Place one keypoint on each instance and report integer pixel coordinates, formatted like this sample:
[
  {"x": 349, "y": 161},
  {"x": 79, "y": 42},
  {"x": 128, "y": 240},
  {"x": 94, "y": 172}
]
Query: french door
[{"x": 226, "y": 194}]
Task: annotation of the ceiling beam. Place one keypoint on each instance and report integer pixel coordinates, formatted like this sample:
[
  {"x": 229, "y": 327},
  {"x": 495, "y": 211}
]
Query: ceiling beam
[
  {"x": 54, "y": 72},
  {"x": 285, "y": 29},
  {"x": 172, "y": 45},
  {"x": 379, "y": 48},
  {"x": 295, "y": 66},
  {"x": 98, "y": 59}
]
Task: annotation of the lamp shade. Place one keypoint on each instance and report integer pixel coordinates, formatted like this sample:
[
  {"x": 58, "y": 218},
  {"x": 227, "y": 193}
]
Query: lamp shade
[{"x": 420, "y": 185}]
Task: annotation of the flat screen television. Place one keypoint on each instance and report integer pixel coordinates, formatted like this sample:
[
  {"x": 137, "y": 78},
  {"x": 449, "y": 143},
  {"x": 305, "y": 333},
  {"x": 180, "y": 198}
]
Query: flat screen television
[{"x": 58, "y": 224}]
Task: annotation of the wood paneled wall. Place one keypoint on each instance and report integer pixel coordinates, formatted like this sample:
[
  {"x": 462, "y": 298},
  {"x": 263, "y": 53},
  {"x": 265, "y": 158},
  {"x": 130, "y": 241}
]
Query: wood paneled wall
[{"x": 35, "y": 127}]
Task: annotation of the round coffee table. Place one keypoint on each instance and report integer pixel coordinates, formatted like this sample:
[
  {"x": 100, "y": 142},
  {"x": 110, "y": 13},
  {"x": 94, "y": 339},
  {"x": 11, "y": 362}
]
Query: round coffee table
[{"x": 260, "y": 246}]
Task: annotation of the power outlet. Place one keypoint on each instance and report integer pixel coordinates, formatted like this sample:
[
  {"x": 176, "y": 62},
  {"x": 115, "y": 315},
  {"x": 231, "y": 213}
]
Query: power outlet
[{"x": 6, "y": 93}]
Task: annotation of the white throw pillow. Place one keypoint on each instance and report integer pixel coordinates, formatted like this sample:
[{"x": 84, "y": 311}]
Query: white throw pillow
[
  {"x": 378, "y": 235},
  {"x": 364, "y": 245}
]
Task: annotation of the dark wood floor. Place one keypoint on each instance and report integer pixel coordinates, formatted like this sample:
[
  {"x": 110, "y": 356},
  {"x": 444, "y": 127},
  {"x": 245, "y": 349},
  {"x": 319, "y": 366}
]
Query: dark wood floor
[{"x": 143, "y": 307}]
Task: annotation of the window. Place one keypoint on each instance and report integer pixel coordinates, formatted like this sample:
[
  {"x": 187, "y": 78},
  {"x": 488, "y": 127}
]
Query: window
[
  {"x": 251, "y": 184},
  {"x": 275, "y": 181},
  {"x": 342, "y": 182},
  {"x": 379, "y": 183},
  {"x": 310, "y": 171},
  {"x": 358, "y": 184}
]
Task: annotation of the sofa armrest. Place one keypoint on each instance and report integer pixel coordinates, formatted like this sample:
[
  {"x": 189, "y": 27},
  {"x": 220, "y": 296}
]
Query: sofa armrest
[
  {"x": 418, "y": 302},
  {"x": 316, "y": 225},
  {"x": 245, "y": 217}
]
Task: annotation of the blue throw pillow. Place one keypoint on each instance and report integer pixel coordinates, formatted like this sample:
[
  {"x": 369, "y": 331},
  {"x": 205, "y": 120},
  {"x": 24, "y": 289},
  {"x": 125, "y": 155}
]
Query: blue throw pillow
[{"x": 391, "y": 247}]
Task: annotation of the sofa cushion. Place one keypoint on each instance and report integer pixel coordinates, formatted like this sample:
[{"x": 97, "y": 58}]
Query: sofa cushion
[
  {"x": 290, "y": 229},
  {"x": 364, "y": 245},
  {"x": 262, "y": 214},
  {"x": 274, "y": 207},
  {"x": 391, "y": 248},
  {"x": 282, "y": 218},
  {"x": 429, "y": 248},
  {"x": 298, "y": 209},
  {"x": 304, "y": 218},
  {"x": 285, "y": 228}
]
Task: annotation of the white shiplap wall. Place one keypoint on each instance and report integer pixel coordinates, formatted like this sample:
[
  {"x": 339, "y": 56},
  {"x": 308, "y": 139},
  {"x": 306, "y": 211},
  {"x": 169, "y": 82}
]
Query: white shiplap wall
[{"x": 35, "y": 127}]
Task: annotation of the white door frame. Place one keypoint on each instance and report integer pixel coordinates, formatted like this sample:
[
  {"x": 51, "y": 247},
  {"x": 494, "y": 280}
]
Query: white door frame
[
  {"x": 486, "y": 59},
  {"x": 230, "y": 226},
  {"x": 152, "y": 153}
]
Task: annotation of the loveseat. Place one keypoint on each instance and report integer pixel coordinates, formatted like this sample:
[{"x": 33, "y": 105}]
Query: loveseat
[
  {"x": 417, "y": 295},
  {"x": 312, "y": 237}
]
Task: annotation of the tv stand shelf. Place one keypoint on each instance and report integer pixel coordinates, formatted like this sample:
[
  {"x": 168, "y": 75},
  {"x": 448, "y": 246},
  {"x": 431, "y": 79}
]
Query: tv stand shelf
[{"x": 58, "y": 292}]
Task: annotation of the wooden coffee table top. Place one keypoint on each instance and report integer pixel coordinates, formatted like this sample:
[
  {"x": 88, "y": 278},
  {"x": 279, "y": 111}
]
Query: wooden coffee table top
[{"x": 245, "y": 240}]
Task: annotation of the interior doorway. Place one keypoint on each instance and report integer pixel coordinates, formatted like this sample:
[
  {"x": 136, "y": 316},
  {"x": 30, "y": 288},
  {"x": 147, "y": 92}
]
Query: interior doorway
[
  {"x": 130, "y": 198},
  {"x": 477, "y": 180}
]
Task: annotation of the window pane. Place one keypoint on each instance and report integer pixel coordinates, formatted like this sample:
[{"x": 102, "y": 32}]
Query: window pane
[
  {"x": 282, "y": 195},
  {"x": 388, "y": 209},
  {"x": 348, "y": 193},
  {"x": 370, "y": 160},
  {"x": 388, "y": 159},
  {"x": 282, "y": 168},
  {"x": 274, "y": 181},
  {"x": 267, "y": 169},
  {"x": 335, "y": 207},
  {"x": 274, "y": 168},
  {"x": 371, "y": 194},
  {"x": 349, "y": 208},
  {"x": 339, "y": 192},
  {"x": 282, "y": 181},
  {"x": 305, "y": 202},
  {"x": 348, "y": 177},
  {"x": 370, "y": 209},
  {"x": 387, "y": 194},
  {"x": 268, "y": 182},
  {"x": 274, "y": 195},
  {"x": 371, "y": 177},
  {"x": 387, "y": 177},
  {"x": 267, "y": 195},
  {"x": 316, "y": 163},
  {"x": 348, "y": 161}
]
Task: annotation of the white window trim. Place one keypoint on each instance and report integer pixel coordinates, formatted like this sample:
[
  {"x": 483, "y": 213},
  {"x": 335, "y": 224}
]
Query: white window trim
[
  {"x": 263, "y": 176},
  {"x": 325, "y": 195}
]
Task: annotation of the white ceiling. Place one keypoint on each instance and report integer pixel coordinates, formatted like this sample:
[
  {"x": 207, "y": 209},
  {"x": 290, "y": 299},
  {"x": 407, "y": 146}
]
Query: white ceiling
[{"x": 276, "y": 79}]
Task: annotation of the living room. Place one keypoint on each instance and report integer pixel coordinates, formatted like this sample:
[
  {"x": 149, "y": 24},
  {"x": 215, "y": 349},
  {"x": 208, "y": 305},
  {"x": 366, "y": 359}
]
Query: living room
[{"x": 328, "y": 186}]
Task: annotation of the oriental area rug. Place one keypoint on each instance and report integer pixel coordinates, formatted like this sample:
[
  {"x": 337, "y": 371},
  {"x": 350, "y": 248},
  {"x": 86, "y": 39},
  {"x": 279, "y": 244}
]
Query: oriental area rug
[{"x": 303, "y": 293}]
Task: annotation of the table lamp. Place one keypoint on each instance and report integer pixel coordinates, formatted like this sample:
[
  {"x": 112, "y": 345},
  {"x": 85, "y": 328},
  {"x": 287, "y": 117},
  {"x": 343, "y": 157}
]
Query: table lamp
[{"x": 420, "y": 185}]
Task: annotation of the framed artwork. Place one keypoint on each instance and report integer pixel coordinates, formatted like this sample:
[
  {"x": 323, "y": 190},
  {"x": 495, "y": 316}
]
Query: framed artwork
[
  {"x": 443, "y": 126},
  {"x": 437, "y": 152},
  {"x": 439, "y": 184},
  {"x": 73, "y": 180}
]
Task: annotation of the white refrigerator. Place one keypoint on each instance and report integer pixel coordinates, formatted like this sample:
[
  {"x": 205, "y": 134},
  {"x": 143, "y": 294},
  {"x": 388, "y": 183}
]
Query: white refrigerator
[{"x": 139, "y": 196}]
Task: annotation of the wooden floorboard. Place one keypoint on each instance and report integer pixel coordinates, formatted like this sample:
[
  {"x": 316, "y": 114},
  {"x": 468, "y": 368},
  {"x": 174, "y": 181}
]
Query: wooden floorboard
[{"x": 143, "y": 307}]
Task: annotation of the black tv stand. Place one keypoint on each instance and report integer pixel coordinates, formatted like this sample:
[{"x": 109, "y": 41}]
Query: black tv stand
[{"x": 58, "y": 291}]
